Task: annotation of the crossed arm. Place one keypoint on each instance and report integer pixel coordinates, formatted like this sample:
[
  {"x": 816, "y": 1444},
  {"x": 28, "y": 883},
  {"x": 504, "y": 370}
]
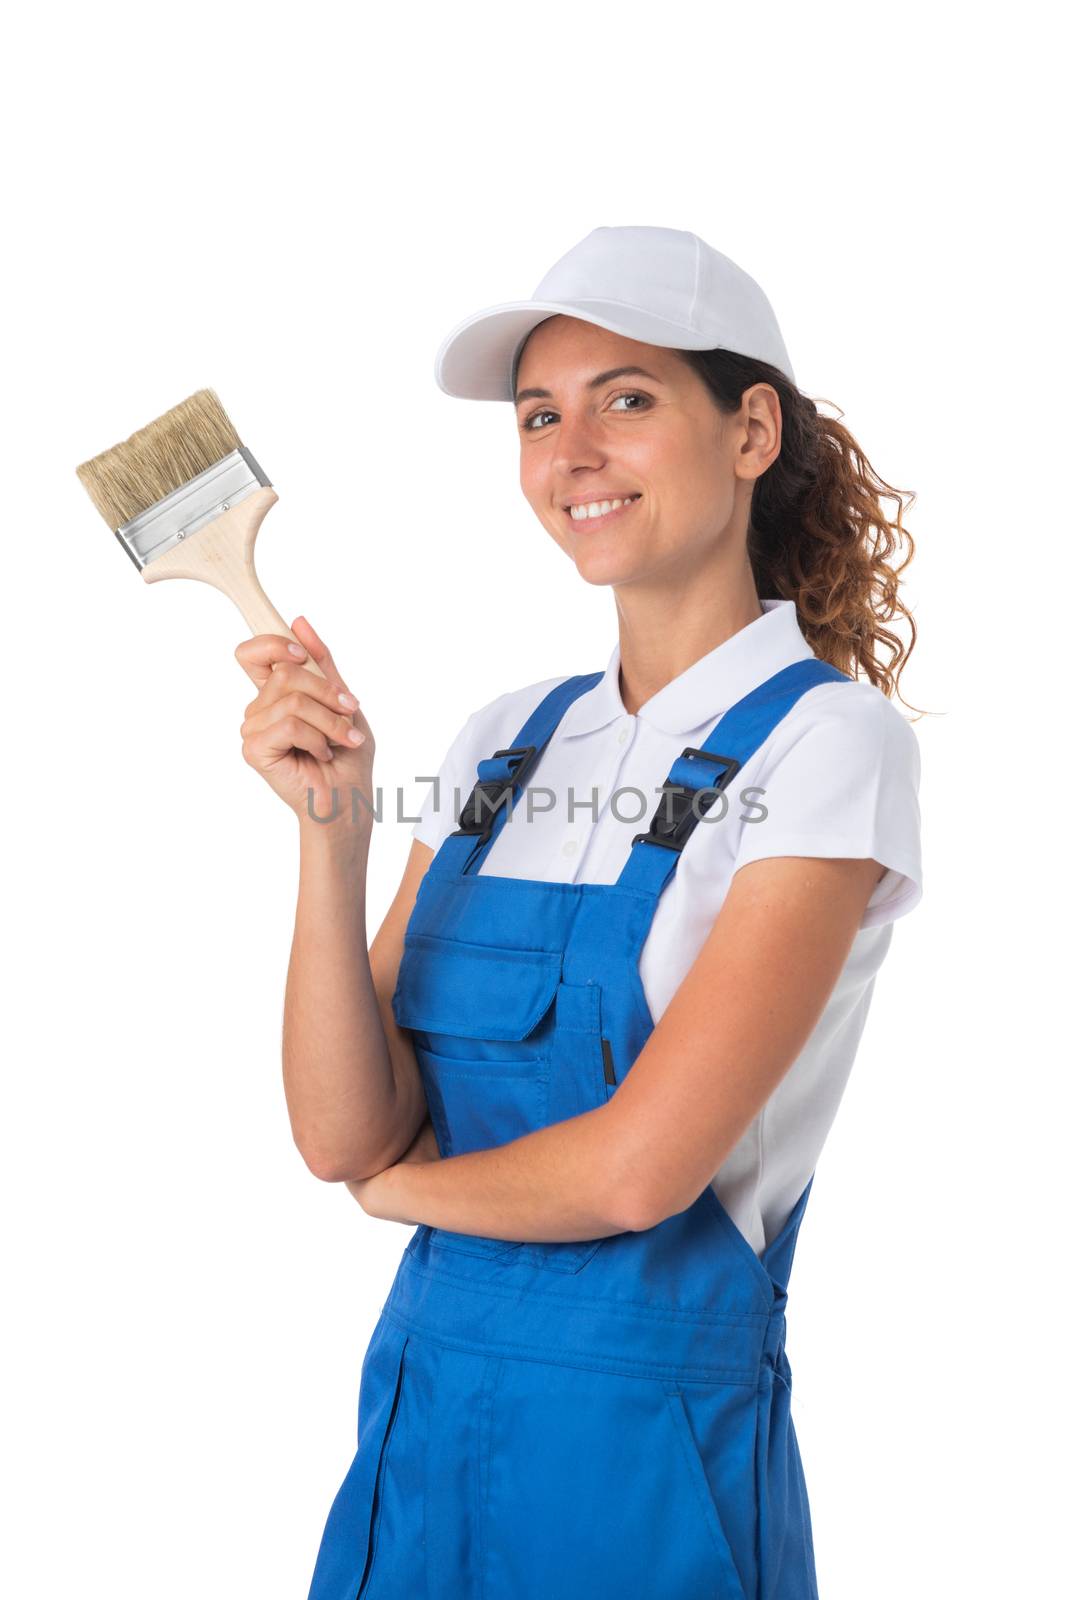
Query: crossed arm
[{"x": 737, "y": 1022}]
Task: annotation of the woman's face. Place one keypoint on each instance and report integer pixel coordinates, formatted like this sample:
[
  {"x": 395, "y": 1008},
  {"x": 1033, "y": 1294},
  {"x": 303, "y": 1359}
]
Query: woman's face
[{"x": 594, "y": 434}]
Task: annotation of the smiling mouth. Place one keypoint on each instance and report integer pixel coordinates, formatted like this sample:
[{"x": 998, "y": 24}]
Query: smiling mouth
[{"x": 604, "y": 516}]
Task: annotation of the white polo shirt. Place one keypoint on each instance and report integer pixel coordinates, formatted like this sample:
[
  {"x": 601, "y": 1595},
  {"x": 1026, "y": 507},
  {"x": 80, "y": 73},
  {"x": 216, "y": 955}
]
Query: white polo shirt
[{"x": 840, "y": 777}]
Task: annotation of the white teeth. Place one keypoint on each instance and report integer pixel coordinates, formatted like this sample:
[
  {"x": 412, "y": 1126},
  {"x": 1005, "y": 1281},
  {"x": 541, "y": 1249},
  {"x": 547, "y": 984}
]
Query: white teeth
[{"x": 597, "y": 508}]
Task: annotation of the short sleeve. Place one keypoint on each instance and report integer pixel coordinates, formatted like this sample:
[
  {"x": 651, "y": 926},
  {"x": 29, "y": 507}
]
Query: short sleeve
[{"x": 843, "y": 781}]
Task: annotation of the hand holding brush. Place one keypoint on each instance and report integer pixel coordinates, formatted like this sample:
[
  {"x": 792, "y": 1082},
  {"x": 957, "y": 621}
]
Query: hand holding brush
[{"x": 288, "y": 728}]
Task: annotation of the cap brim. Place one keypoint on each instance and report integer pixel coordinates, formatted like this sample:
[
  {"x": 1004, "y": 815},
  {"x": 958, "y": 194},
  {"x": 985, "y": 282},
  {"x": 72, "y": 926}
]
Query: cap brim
[{"x": 474, "y": 361}]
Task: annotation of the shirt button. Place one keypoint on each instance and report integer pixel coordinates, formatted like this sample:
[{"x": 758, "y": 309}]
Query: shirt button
[
  {"x": 624, "y": 734},
  {"x": 570, "y": 847}
]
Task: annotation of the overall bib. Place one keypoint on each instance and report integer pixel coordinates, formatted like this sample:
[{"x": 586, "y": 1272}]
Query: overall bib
[{"x": 608, "y": 1417}]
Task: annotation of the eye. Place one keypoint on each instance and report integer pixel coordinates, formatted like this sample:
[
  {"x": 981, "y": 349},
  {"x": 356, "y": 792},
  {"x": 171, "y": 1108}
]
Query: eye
[
  {"x": 532, "y": 418},
  {"x": 627, "y": 394},
  {"x": 632, "y": 394}
]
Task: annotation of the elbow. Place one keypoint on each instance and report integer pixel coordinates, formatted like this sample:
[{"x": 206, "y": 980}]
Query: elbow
[
  {"x": 637, "y": 1196},
  {"x": 648, "y": 1209},
  {"x": 640, "y": 1213},
  {"x": 628, "y": 1203},
  {"x": 317, "y": 1154},
  {"x": 332, "y": 1164},
  {"x": 326, "y": 1165}
]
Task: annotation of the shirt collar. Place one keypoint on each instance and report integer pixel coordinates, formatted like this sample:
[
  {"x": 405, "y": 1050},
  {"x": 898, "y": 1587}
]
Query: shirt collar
[{"x": 707, "y": 688}]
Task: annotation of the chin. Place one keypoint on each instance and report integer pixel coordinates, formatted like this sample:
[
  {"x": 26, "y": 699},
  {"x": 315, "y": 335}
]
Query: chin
[{"x": 607, "y": 568}]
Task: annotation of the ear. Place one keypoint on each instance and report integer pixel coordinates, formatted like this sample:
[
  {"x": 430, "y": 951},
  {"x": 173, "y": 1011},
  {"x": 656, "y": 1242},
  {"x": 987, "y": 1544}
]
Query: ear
[{"x": 761, "y": 419}]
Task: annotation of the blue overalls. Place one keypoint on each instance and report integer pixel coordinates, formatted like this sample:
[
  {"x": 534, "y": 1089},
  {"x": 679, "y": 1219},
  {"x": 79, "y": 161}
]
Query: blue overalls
[{"x": 608, "y": 1417}]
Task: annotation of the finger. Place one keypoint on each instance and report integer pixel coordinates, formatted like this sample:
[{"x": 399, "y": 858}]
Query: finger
[
  {"x": 258, "y": 655},
  {"x": 298, "y": 710},
  {"x": 263, "y": 748},
  {"x": 287, "y": 676},
  {"x": 316, "y": 648}
]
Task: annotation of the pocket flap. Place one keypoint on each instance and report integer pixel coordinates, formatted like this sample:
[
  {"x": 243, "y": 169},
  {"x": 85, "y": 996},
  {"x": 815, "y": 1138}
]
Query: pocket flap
[{"x": 473, "y": 991}]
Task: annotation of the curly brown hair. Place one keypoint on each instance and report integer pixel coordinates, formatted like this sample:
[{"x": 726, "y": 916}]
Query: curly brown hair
[{"x": 818, "y": 534}]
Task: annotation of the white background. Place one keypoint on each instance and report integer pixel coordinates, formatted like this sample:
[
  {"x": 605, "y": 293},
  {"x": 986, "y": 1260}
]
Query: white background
[{"x": 294, "y": 205}]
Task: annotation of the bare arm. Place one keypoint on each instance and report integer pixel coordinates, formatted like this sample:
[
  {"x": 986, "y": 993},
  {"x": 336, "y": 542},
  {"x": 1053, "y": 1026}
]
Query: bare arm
[
  {"x": 352, "y": 1084},
  {"x": 734, "y": 1027}
]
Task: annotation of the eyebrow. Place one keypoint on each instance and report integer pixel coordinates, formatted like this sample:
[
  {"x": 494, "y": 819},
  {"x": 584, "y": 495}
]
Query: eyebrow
[{"x": 594, "y": 383}]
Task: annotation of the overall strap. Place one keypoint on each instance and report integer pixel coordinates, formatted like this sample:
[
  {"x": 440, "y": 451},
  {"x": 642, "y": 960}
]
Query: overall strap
[
  {"x": 692, "y": 784},
  {"x": 503, "y": 776}
]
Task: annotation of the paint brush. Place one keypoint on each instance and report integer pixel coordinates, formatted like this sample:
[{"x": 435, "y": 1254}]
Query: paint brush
[{"x": 185, "y": 500}]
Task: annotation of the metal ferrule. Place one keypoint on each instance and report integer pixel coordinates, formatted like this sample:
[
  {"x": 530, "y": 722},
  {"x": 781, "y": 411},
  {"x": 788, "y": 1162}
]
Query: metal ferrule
[{"x": 201, "y": 500}]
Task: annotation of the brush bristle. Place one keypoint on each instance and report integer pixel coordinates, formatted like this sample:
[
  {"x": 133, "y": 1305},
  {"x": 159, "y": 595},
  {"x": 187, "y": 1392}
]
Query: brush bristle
[{"x": 159, "y": 458}]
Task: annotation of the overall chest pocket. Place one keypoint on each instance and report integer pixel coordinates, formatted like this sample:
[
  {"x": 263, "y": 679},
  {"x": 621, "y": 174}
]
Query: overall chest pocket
[{"x": 481, "y": 1021}]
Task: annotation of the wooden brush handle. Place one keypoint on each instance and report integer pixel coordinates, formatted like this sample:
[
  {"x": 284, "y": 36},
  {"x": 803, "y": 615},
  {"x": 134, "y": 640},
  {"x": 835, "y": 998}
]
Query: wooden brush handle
[{"x": 221, "y": 553}]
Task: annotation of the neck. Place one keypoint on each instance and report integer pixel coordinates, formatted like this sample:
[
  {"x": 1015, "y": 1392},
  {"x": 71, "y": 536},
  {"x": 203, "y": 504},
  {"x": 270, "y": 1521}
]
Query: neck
[{"x": 661, "y": 635}]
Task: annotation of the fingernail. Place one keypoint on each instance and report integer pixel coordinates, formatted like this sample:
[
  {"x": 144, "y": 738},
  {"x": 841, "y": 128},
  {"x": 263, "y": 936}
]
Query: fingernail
[
  {"x": 347, "y": 700},
  {"x": 355, "y": 736},
  {"x": 298, "y": 649}
]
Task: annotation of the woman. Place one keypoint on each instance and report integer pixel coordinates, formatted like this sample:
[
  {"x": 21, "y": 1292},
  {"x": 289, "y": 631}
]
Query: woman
[{"x": 596, "y": 1047}]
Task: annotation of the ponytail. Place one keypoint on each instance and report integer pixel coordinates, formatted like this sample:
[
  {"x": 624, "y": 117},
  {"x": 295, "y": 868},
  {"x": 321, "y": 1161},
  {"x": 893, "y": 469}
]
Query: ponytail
[{"x": 818, "y": 534}]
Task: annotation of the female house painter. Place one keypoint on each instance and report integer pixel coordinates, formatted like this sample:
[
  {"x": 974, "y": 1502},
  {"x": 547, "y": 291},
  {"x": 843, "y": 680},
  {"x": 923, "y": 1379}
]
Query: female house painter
[{"x": 594, "y": 1049}]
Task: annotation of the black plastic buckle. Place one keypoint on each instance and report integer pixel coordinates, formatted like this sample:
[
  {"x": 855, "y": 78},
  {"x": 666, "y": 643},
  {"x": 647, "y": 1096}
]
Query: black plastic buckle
[
  {"x": 488, "y": 795},
  {"x": 672, "y": 831}
]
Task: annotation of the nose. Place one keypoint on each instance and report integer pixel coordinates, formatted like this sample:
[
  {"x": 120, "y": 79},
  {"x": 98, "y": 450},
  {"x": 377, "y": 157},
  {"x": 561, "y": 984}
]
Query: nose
[{"x": 579, "y": 446}]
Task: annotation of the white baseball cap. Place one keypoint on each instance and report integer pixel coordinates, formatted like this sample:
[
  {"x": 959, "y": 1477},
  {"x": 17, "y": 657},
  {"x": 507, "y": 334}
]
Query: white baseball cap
[{"x": 661, "y": 286}]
